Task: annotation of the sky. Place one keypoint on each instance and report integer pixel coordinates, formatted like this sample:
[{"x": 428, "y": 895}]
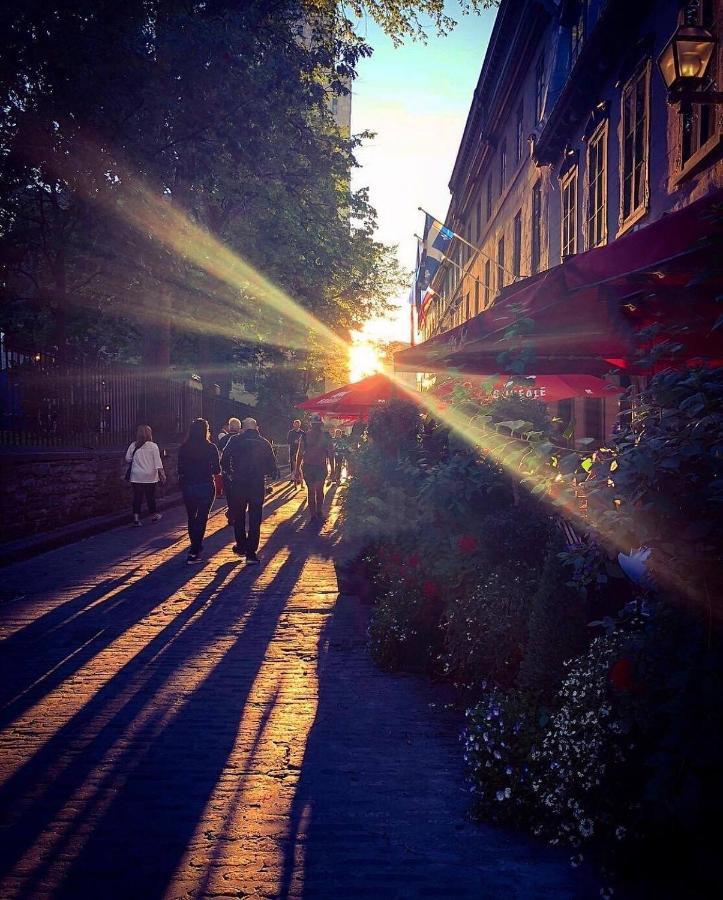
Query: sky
[{"x": 416, "y": 99}]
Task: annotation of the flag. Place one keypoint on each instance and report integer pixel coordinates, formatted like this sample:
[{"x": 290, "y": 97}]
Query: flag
[
  {"x": 435, "y": 244},
  {"x": 429, "y": 295}
]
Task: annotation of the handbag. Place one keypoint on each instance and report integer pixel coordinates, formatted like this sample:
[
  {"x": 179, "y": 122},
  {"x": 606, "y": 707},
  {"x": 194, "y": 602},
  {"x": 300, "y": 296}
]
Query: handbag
[
  {"x": 127, "y": 476},
  {"x": 218, "y": 484}
]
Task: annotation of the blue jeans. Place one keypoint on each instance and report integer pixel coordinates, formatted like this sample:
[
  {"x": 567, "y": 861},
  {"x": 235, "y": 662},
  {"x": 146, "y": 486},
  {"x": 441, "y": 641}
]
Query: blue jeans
[{"x": 198, "y": 499}]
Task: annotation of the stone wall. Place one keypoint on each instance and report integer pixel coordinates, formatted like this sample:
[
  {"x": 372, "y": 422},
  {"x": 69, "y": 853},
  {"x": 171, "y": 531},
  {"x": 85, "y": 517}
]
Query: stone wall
[{"x": 45, "y": 489}]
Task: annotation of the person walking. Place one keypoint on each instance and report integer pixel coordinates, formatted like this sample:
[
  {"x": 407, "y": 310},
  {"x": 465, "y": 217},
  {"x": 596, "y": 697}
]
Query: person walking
[
  {"x": 246, "y": 460},
  {"x": 292, "y": 439},
  {"x": 227, "y": 432},
  {"x": 198, "y": 462},
  {"x": 340, "y": 450},
  {"x": 145, "y": 470},
  {"x": 315, "y": 451}
]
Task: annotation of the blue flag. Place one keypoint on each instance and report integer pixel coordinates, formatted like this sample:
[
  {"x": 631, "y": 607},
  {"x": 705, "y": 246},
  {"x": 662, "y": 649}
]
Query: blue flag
[{"x": 435, "y": 244}]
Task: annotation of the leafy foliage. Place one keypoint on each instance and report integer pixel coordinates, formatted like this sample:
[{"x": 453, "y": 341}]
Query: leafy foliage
[{"x": 124, "y": 130}]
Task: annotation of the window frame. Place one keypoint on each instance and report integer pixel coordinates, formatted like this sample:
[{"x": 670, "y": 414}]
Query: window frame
[
  {"x": 501, "y": 264},
  {"x": 637, "y": 212},
  {"x": 490, "y": 188},
  {"x": 578, "y": 32},
  {"x": 536, "y": 228},
  {"x": 520, "y": 132},
  {"x": 503, "y": 165},
  {"x": 488, "y": 283},
  {"x": 568, "y": 180},
  {"x": 600, "y": 136},
  {"x": 540, "y": 87},
  {"x": 517, "y": 244}
]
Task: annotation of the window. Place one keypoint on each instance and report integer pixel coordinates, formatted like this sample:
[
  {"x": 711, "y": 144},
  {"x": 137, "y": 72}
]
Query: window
[
  {"x": 596, "y": 225},
  {"x": 488, "y": 283},
  {"x": 501, "y": 263},
  {"x": 503, "y": 165},
  {"x": 536, "y": 228},
  {"x": 565, "y": 412},
  {"x": 520, "y": 134},
  {"x": 577, "y": 31},
  {"x": 634, "y": 150},
  {"x": 467, "y": 312},
  {"x": 699, "y": 127},
  {"x": 539, "y": 88},
  {"x": 476, "y": 296},
  {"x": 489, "y": 197},
  {"x": 568, "y": 199},
  {"x": 479, "y": 218},
  {"x": 594, "y": 419},
  {"x": 517, "y": 245}
]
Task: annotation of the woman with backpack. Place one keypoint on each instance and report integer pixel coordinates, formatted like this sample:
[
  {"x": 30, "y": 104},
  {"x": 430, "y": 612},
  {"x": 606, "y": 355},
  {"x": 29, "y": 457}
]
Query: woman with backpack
[
  {"x": 145, "y": 470},
  {"x": 198, "y": 462},
  {"x": 315, "y": 451}
]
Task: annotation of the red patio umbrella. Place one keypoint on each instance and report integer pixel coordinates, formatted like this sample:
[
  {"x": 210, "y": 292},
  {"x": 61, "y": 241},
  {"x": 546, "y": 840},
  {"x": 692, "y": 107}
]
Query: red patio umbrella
[{"x": 353, "y": 399}]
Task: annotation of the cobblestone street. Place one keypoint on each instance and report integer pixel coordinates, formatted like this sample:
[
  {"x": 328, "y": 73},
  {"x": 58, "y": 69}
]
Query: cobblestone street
[{"x": 170, "y": 731}]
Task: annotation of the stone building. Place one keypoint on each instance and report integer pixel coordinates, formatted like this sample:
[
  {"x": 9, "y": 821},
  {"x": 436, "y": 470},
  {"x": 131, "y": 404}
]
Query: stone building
[{"x": 570, "y": 143}]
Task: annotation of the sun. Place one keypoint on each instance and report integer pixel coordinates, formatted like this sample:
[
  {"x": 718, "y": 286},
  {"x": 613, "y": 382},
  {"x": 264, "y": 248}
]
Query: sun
[{"x": 363, "y": 360}]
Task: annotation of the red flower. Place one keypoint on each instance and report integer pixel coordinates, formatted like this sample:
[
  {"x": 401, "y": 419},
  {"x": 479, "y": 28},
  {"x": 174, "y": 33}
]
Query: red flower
[
  {"x": 414, "y": 560},
  {"x": 430, "y": 589},
  {"x": 621, "y": 675},
  {"x": 467, "y": 544}
]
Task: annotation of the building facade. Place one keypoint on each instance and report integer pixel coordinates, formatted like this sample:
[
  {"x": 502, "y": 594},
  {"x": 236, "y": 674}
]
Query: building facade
[{"x": 570, "y": 143}]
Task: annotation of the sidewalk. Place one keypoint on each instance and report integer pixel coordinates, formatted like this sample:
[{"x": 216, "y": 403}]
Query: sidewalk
[{"x": 181, "y": 732}]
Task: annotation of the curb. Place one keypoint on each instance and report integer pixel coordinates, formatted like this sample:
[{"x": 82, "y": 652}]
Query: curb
[{"x": 24, "y": 548}]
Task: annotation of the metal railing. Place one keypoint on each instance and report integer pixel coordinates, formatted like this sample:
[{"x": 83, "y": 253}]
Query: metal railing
[{"x": 45, "y": 403}]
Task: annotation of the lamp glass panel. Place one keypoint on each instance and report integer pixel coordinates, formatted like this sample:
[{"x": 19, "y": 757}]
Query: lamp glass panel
[
  {"x": 694, "y": 56},
  {"x": 666, "y": 63}
]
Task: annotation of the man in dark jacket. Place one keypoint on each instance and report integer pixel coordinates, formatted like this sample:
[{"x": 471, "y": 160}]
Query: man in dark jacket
[{"x": 247, "y": 459}]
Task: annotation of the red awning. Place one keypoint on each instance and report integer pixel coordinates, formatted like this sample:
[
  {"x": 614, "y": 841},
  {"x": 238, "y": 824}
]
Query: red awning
[
  {"x": 352, "y": 399},
  {"x": 653, "y": 289},
  {"x": 545, "y": 388}
]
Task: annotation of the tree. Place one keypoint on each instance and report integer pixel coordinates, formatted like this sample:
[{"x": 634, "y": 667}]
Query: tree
[{"x": 134, "y": 136}]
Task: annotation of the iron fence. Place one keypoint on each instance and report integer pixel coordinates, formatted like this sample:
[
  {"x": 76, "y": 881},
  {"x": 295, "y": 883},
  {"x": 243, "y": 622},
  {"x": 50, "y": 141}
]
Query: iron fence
[{"x": 46, "y": 403}]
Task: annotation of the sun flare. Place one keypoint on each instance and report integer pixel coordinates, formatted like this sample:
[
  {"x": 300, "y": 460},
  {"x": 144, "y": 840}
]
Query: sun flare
[{"x": 364, "y": 360}]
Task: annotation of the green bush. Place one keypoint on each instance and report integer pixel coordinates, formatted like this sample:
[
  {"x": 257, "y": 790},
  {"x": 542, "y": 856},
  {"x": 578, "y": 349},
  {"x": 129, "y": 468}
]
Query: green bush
[
  {"x": 486, "y": 629},
  {"x": 404, "y": 630},
  {"x": 557, "y": 627},
  {"x": 395, "y": 427}
]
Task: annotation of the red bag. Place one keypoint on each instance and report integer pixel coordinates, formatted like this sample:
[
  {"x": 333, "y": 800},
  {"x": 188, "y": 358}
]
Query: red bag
[{"x": 218, "y": 484}]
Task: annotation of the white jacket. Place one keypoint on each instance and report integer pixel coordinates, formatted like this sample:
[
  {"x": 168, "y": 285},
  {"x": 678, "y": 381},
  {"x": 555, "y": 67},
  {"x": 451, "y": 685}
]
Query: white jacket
[{"x": 146, "y": 463}]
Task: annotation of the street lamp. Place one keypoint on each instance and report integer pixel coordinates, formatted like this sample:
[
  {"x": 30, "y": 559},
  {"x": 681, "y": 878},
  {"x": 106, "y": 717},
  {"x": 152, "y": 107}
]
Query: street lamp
[{"x": 684, "y": 64}]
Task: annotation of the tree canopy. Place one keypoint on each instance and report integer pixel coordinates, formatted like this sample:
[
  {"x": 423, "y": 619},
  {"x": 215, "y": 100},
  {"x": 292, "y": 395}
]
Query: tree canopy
[{"x": 174, "y": 187}]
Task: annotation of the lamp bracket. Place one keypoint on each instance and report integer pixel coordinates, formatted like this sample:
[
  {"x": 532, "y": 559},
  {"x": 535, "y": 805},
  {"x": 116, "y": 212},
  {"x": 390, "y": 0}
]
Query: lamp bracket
[{"x": 699, "y": 98}]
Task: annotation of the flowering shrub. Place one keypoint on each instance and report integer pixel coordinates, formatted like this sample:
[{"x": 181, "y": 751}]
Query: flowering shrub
[
  {"x": 499, "y": 735},
  {"x": 487, "y": 627},
  {"x": 595, "y": 716},
  {"x": 582, "y": 786},
  {"x": 404, "y": 631},
  {"x": 557, "y": 627}
]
